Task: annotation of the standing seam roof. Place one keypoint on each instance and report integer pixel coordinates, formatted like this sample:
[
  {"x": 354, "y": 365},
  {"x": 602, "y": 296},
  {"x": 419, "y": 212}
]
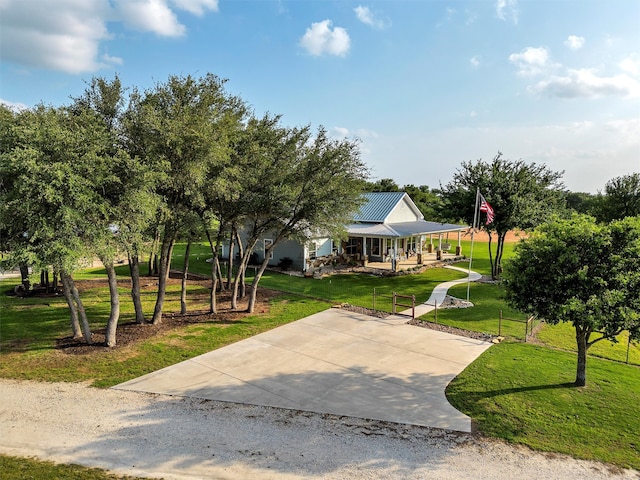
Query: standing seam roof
[{"x": 378, "y": 206}]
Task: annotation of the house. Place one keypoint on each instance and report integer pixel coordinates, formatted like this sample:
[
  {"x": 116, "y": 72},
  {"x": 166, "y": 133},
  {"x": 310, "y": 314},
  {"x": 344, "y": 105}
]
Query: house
[{"x": 389, "y": 227}]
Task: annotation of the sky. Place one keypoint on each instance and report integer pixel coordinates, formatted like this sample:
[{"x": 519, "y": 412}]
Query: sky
[{"x": 424, "y": 85}]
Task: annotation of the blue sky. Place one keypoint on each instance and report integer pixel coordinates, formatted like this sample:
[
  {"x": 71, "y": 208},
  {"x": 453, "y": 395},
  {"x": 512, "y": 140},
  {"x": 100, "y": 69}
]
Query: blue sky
[{"x": 424, "y": 84}]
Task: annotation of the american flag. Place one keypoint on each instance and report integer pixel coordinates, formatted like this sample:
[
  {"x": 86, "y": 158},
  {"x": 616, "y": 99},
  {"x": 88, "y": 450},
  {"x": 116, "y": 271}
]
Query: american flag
[{"x": 488, "y": 209}]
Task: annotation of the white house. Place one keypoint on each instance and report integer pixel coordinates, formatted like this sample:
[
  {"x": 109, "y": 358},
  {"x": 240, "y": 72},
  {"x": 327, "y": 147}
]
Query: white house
[{"x": 388, "y": 227}]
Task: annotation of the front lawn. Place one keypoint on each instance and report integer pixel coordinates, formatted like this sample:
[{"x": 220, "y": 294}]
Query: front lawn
[{"x": 524, "y": 394}]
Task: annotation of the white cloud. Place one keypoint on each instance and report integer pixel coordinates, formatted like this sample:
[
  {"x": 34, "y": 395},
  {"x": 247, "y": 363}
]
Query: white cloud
[
  {"x": 151, "y": 16},
  {"x": 507, "y": 10},
  {"x": 531, "y": 61},
  {"x": 15, "y": 106},
  {"x": 67, "y": 35},
  {"x": 366, "y": 16},
  {"x": 196, "y": 7},
  {"x": 631, "y": 65},
  {"x": 475, "y": 61},
  {"x": 586, "y": 83},
  {"x": 473, "y": 114},
  {"x": 320, "y": 38},
  {"x": 58, "y": 35},
  {"x": 359, "y": 133},
  {"x": 574, "y": 42}
]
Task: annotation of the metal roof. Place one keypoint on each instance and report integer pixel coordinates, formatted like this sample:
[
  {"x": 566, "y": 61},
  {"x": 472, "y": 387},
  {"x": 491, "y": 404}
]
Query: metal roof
[
  {"x": 378, "y": 206},
  {"x": 404, "y": 229}
]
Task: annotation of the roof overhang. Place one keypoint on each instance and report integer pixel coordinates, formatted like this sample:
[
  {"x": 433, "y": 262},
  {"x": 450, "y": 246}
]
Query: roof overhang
[{"x": 401, "y": 230}]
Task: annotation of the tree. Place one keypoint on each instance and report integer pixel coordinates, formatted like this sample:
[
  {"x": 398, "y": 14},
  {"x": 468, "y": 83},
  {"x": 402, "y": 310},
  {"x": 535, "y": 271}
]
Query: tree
[
  {"x": 621, "y": 198},
  {"x": 181, "y": 125},
  {"x": 575, "y": 270},
  {"x": 522, "y": 196},
  {"x": 47, "y": 195},
  {"x": 298, "y": 185}
]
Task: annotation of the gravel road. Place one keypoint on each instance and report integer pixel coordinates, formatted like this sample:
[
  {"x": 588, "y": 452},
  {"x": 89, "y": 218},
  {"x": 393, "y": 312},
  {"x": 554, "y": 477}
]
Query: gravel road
[{"x": 175, "y": 438}]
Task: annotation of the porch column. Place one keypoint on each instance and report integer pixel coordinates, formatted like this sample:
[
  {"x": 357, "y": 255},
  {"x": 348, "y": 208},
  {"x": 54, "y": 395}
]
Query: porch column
[
  {"x": 364, "y": 251},
  {"x": 394, "y": 260},
  {"x": 430, "y": 247},
  {"x": 459, "y": 247},
  {"x": 439, "y": 251}
]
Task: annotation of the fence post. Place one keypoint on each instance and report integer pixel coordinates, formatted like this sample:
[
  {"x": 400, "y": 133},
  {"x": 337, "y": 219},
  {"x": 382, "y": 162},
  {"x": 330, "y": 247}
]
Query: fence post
[
  {"x": 374, "y": 299},
  {"x": 413, "y": 307},
  {"x": 500, "y": 324},
  {"x": 393, "y": 306}
]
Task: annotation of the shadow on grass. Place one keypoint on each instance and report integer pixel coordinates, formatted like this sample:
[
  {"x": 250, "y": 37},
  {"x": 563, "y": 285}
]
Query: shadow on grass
[{"x": 508, "y": 391}]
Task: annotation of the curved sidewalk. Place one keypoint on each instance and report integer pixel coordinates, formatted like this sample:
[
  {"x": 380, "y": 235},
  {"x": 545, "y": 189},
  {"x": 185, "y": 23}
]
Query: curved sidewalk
[{"x": 336, "y": 362}]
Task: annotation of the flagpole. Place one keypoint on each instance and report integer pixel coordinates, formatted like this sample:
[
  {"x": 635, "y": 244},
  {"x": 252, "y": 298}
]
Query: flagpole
[{"x": 473, "y": 231}]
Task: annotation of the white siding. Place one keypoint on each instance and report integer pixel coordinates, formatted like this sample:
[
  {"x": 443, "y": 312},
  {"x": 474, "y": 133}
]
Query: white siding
[{"x": 402, "y": 212}]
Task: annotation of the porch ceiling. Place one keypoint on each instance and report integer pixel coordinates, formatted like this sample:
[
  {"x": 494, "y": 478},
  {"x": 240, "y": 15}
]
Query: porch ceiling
[{"x": 401, "y": 230}]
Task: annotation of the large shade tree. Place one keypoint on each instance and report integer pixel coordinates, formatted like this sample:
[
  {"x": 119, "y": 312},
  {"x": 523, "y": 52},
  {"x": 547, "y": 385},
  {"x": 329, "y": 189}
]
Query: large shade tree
[
  {"x": 522, "y": 196},
  {"x": 181, "y": 126},
  {"x": 575, "y": 270},
  {"x": 48, "y": 195}
]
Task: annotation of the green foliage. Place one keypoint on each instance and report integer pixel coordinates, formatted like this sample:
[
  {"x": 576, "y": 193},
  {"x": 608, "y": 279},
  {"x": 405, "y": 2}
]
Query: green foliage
[
  {"x": 621, "y": 199},
  {"x": 522, "y": 393},
  {"x": 580, "y": 272},
  {"x": 522, "y": 196}
]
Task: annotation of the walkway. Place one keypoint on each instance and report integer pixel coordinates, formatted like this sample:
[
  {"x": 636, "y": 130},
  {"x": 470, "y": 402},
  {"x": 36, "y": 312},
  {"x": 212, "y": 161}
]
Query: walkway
[{"x": 334, "y": 362}]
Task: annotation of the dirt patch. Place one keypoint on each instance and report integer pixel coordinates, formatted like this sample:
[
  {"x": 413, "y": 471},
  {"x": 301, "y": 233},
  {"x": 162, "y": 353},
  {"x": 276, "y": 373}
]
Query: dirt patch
[
  {"x": 482, "y": 236},
  {"x": 131, "y": 333}
]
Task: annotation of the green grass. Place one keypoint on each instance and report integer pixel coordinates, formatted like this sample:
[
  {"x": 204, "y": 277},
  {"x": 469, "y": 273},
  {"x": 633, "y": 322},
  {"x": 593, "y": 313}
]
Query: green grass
[
  {"x": 525, "y": 394},
  {"x": 519, "y": 392},
  {"x": 30, "y": 468},
  {"x": 562, "y": 336},
  {"x": 29, "y": 330},
  {"x": 488, "y": 300},
  {"x": 357, "y": 289}
]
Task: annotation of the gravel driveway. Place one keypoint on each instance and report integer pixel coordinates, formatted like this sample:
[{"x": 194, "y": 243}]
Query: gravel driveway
[{"x": 162, "y": 436}]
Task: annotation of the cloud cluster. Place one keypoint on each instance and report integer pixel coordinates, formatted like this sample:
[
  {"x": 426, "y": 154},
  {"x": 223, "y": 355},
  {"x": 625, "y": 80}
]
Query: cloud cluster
[
  {"x": 507, "y": 10},
  {"x": 66, "y": 35},
  {"x": 574, "y": 42},
  {"x": 322, "y": 37},
  {"x": 531, "y": 61},
  {"x": 555, "y": 80},
  {"x": 366, "y": 16}
]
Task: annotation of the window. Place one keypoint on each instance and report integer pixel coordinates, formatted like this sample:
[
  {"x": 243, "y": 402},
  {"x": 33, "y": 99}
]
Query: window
[
  {"x": 353, "y": 246},
  {"x": 375, "y": 247},
  {"x": 267, "y": 244},
  {"x": 313, "y": 250}
]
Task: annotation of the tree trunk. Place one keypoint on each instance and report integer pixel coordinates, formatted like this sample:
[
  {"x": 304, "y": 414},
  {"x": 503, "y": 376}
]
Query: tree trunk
[
  {"x": 153, "y": 256},
  {"x": 24, "y": 274},
  {"x": 499, "y": 252},
  {"x": 253, "y": 290},
  {"x": 84, "y": 323},
  {"x": 582, "y": 338},
  {"x": 134, "y": 270},
  {"x": 55, "y": 281},
  {"x": 163, "y": 275},
  {"x": 185, "y": 274},
  {"x": 232, "y": 243},
  {"x": 491, "y": 262},
  {"x": 114, "y": 315},
  {"x": 73, "y": 310},
  {"x": 213, "y": 307}
]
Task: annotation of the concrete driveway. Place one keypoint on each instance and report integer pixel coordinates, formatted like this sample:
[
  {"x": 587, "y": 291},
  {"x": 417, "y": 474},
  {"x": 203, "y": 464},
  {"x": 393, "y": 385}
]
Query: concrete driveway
[{"x": 334, "y": 362}]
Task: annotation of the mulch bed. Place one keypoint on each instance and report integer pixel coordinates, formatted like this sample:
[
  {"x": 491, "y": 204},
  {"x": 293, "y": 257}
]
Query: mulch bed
[{"x": 132, "y": 333}]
